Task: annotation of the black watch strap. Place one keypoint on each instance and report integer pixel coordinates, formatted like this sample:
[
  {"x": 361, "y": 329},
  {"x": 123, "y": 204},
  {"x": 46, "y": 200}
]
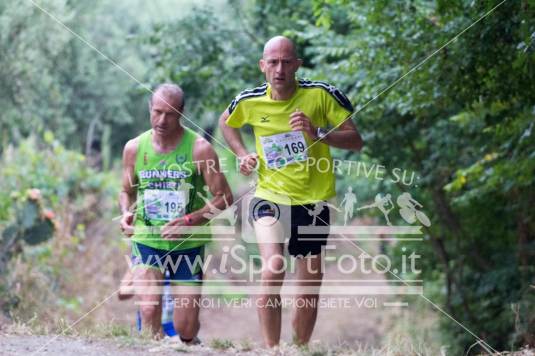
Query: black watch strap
[{"x": 321, "y": 133}]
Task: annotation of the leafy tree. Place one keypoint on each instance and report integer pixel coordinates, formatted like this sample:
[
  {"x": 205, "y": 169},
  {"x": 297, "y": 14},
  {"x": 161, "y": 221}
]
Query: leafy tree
[
  {"x": 50, "y": 79},
  {"x": 464, "y": 120}
]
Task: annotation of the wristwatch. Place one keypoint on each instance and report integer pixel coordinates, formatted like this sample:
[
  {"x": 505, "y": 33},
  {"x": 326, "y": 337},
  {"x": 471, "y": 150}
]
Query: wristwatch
[{"x": 321, "y": 133}]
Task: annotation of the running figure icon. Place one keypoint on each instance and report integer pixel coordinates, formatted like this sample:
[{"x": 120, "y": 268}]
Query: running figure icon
[{"x": 349, "y": 200}]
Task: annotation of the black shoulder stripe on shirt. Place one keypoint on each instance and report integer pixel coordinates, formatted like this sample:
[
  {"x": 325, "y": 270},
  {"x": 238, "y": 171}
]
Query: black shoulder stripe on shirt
[
  {"x": 248, "y": 93},
  {"x": 331, "y": 89}
]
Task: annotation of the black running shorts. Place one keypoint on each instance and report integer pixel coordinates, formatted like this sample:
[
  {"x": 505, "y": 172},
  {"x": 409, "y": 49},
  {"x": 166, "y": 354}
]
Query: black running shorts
[{"x": 291, "y": 217}]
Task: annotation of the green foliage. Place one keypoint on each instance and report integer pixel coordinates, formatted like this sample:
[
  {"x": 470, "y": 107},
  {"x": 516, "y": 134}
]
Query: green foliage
[
  {"x": 464, "y": 121},
  {"x": 59, "y": 174},
  {"x": 51, "y": 80},
  {"x": 29, "y": 226},
  {"x": 44, "y": 186}
]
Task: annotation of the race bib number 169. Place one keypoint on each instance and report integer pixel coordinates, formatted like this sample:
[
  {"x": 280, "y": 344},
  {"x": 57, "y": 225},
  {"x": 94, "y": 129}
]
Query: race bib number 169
[{"x": 283, "y": 149}]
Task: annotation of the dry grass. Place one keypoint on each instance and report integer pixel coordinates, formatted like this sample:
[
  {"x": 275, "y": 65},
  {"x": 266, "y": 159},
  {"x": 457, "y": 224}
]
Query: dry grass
[{"x": 397, "y": 345}]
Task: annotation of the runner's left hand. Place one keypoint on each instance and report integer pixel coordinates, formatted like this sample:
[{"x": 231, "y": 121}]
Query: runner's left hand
[
  {"x": 171, "y": 230},
  {"x": 300, "y": 122},
  {"x": 127, "y": 224}
]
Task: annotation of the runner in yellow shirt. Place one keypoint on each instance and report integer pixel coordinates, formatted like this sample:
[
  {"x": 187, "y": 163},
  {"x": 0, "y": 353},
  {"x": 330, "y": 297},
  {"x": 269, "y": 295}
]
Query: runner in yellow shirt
[{"x": 294, "y": 122}]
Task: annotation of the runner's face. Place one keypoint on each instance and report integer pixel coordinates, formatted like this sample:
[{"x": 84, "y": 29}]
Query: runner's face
[
  {"x": 279, "y": 65},
  {"x": 164, "y": 117}
]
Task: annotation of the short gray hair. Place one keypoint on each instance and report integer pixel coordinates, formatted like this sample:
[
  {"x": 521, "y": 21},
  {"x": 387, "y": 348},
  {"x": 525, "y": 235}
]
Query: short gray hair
[{"x": 169, "y": 89}]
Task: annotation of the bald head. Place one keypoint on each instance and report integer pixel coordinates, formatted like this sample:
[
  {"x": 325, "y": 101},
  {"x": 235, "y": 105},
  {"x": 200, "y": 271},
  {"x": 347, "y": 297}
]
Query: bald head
[
  {"x": 279, "y": 64},
  {"x": 170, "y": 93},
  {"x": 279, "y": 44}
]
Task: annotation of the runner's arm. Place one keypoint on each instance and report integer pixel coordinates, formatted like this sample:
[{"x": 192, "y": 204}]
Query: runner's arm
[
  {"x": 128, "y": 194},
  {"x": 248, "y": 161},
  {"x": 345, "y": 136},
  {"x": 208, "y": 165},
  {"x": 232, "y": 135}
]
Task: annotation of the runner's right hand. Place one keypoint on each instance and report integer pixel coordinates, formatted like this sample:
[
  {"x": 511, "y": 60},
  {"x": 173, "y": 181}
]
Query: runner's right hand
[
  {"x": 127, "y": 224},
  {"x": 248, "y": 163}
]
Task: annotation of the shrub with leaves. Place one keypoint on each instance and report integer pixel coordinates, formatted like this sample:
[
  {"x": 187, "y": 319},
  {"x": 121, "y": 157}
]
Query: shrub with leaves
[{"x": 47, "y": 193}]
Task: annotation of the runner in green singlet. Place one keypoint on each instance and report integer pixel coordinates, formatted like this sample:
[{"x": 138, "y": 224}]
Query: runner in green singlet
[{"x": 163, "y": 169}]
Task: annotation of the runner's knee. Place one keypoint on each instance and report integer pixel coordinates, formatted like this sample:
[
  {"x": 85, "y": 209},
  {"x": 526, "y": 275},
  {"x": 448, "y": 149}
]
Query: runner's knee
[
  {"x": 274, "y": 266},
  {"x": 149, "y": 312}
]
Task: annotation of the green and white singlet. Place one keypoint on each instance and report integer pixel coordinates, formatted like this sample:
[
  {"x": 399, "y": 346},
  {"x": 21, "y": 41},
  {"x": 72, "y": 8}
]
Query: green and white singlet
[{"x": 168, "y": 187}]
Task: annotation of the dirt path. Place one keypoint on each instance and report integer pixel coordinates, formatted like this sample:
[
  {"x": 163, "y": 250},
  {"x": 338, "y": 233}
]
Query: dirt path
[
  {"x": 28, "y": 344},
  {"x": 69, "y": 346}
]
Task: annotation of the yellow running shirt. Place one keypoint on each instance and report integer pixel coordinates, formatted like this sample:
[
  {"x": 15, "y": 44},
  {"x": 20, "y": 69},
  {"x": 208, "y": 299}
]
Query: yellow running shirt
[{"x": 289, "y": 171}]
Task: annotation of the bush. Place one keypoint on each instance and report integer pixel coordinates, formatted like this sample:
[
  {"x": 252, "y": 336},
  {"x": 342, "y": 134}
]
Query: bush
[{"x": 48, "y": 195}]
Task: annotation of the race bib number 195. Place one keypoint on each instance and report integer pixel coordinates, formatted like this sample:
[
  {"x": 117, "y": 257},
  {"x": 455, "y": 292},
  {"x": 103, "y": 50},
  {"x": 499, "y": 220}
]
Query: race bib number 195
[
  {"x": 164, "y": 204},
  {"x": 283, "y": 149}
]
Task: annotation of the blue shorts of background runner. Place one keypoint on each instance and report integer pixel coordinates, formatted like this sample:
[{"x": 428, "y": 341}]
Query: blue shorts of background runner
[{"x": 183, "y": 266}]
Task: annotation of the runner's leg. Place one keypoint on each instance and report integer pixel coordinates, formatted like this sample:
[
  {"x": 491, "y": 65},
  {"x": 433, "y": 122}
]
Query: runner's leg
[
  {"x": 307, "y": 249},
  {"x": 126, "y": 289},
  {"x": 309, "y": 276},
  {"x": 186, "y": 313},
  {"x": 186, "y": 280},
  {"x": 148, "y": 286},
  {"x": 270, "y": 238}
]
